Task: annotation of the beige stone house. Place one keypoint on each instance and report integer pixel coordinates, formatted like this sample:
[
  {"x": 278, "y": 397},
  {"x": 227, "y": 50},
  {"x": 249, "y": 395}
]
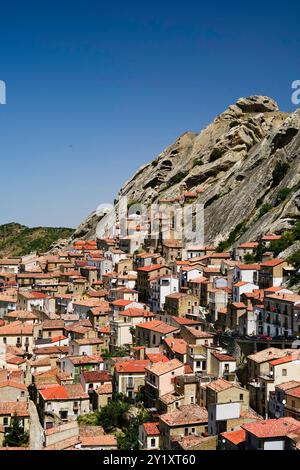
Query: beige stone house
[{"x": 187, "y": 420}]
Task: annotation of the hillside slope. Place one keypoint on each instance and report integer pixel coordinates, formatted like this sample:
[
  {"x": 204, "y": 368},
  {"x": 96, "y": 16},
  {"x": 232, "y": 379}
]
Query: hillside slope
[
  {"x": 16, "y": 239},
  {"x": 248, "y": 163}
]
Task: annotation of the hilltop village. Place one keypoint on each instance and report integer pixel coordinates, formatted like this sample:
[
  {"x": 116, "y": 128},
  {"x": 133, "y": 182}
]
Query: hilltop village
[{"x": 126, "y": 343}]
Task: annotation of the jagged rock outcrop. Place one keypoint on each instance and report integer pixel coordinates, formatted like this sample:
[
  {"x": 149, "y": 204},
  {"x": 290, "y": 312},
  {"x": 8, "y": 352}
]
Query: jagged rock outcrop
[{"x": 247, "y": 161}]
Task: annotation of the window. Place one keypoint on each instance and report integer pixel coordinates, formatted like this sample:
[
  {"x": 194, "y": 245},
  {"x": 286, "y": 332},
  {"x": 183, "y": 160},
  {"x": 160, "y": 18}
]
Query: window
[
  {"x": 63, "y": 415},
  {"x": 193, "y": 430},
  {"x": 241, "y": 397},
  {"x": 186, "y": 431},
  {"x": 284, "y": 372},
  {"x": 198, "y": 364},
  {"x": 153, "y": 442},
  {"x": 4, "y": 340},
  {"x": 5, "y": 421}
]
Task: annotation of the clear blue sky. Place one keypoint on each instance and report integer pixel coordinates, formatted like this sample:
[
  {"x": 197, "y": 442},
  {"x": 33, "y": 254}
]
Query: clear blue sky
[{"x": 95, "y": 89}]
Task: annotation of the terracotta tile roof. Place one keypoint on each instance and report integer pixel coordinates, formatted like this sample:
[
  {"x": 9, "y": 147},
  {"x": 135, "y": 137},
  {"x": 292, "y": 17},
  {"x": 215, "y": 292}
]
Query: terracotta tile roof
[
  {"x": 187, "y": 414},
  {"x": 239, "y": 305},
  {"x": 24, "y": 314},
  {"x": 288, "y": 385},
  {"x": 185, "y": 321},
  {"x": 248, "y": 245},
  {"x": 12, "y": 407},
  {"x": 16, "y": 328},
  {"x": 85, "y": 359},
  {"x": 270, "y": 237},
  {"x": 160, "y": 368},
  {"x": 157, "y": 326},
  {"x": 136, "y": 312},
  {"x": 272, "y": 263},
  {"x": 105, "y": 440},
  {"x": 198, "y": 333},
  {"x": 11, "y": 383},
  {"x": 235, "y": 437},
  {"x": 33, "y": 295},
  {"x": 121, "y": 303},
  {"x": 241, "y": 284},
  {"x": 157, "y": 357},
  {"x": 177, "y": 345},
  {"x": 272, "y": 428},
  {"x": 93, "y": 376},
  {"x": 269, "y": 354},
  {"x": 131, "y": 366},
  {"x": 51, "y": 350},
  {"x": 65, "y": 444},
  {"x": 85, "y": 341},
  {"x": 249, "y": 267},
  {"x": 105, "y": 389},
  {"x": 223, "y": 357},
  {"x": 151, "y": 429},
  {"x": 52, "y": 324},
  {"x": 294, "y": 392},
  {"x": 283, "y": 360},
  {"x": 293, "y": 298},
  {"x": 64, "y": 392},
  {"x": 153, "y": 267},
  {"x": 188, "y": 369},
  {"x": 221, "y": 384}
]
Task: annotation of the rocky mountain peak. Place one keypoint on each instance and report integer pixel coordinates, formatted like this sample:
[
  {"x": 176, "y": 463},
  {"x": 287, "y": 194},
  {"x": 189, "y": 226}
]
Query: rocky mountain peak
[{"x": 244, "y": 168}]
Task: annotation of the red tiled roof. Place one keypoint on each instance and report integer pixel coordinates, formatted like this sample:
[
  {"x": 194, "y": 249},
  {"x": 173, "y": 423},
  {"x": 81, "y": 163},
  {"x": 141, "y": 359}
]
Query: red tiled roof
[
  {"x": 157, "y": 357},
  {"x": 223, "y": 357},
  {"x": 153, "y": 267},
  {"x": 151, "y": 429},
  {"x": 272, "y": 263},
  {"x": 282, "y": 360},
  {"x": 177, "y": 345},
  {"x": 235, "y": 437},
  {"x": 158, "y": 326},
  {"x": 64, "y": 392},
  {"x": 272, "y": 427},
  {"x": 135, "y": 366}
]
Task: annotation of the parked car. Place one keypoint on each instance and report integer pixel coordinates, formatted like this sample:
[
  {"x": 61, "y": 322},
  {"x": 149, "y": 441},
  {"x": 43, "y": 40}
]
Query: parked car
[{"x": 266, "y": 338}]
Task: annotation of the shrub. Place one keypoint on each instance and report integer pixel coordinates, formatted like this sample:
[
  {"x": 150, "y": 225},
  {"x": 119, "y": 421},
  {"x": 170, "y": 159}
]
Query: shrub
[
  {"x": 16, "y": 436},
  {"x": 265, "y": 208},
  {"x": 197, "y": 162},
  {"x": 248, "y": 258},
  {"x": 282, "y": 195},
  {"x": 216, "y": 154},
  {"x": 177, "y": 178},
  {"x": 279, "y": 172}
]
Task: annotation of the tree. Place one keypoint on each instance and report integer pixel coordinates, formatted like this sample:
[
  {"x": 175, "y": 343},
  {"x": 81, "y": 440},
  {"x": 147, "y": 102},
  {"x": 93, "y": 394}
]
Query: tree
[
  {"x": 112, "y": 416},
  {"x": 16, "y": 436},
  {"x": 128, "y": 438},
  {"x": 132, "y": 332},
  {"x": 249, "y": 258}
]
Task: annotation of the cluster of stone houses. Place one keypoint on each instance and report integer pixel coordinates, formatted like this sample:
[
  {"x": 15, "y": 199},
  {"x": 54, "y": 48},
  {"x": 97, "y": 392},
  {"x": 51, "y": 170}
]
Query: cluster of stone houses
[{"x": 206, "y": 341}]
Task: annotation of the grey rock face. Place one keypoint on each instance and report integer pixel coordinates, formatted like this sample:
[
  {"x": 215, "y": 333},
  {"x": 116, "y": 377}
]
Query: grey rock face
[{"x": 232, "y": 160}]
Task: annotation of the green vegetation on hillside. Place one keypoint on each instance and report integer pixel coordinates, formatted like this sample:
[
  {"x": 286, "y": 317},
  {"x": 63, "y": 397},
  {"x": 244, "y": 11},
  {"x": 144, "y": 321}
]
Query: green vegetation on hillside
[
  {"x": 233, "y": 236},
  {"x": 117, "y": 418},
  {"x": 17, "y": 239}
]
